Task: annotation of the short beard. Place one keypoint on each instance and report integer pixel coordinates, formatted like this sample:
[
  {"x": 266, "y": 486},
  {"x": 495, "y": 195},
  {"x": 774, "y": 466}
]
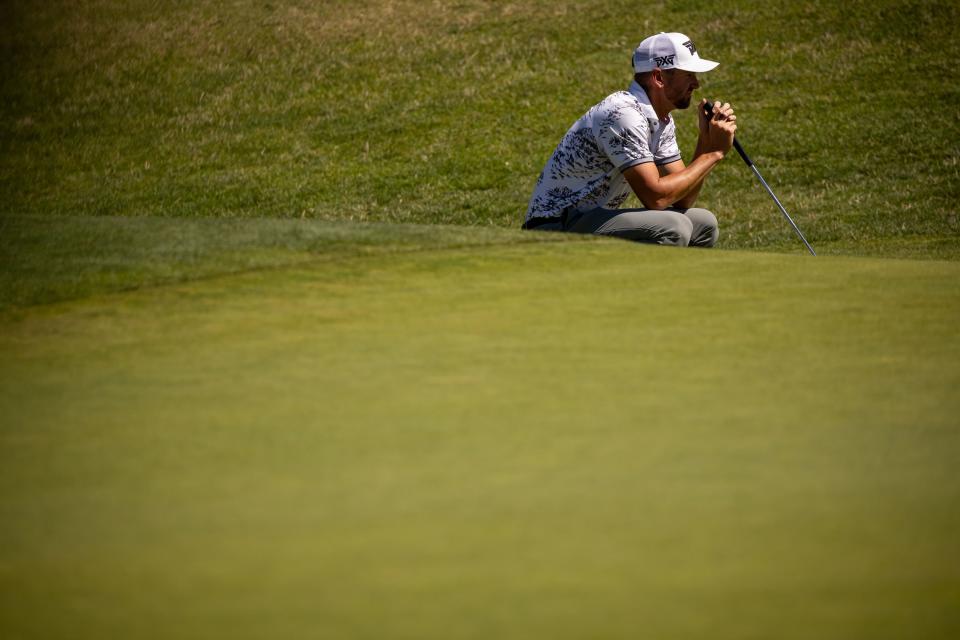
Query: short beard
[{"x": 683, "y": 103}]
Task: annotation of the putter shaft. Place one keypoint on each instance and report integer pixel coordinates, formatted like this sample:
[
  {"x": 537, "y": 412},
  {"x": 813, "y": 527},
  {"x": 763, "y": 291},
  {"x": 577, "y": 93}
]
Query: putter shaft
[
  {"x": 782, "y": 210},
  {"x": 708, "y": 110}
]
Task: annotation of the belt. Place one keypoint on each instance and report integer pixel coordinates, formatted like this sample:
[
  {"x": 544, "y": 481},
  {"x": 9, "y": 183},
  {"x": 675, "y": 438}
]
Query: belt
[{"x": 533, "y": 223}]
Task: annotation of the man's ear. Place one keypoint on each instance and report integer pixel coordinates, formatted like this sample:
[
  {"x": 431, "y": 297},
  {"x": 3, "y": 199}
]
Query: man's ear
[{"x": 656, "y": 76}]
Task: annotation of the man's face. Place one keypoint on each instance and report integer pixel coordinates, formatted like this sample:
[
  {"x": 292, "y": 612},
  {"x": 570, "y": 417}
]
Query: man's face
[{"x": 679, "y": 87}]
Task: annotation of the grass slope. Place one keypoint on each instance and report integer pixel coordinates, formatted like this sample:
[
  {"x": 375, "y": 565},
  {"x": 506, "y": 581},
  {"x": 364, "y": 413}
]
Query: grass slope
[
  {"x": 408, "y": 111},
  {"x": 589, "y": 439}
]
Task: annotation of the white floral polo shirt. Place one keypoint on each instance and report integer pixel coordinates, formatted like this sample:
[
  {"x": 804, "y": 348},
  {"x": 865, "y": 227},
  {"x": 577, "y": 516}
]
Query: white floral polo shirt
[{"x": 586, "y": 169}]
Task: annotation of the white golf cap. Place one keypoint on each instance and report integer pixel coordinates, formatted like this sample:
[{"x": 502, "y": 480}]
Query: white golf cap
[{"x": 669, "y": 51}]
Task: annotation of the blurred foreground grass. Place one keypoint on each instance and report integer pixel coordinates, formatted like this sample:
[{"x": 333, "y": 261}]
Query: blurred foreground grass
[{"x": 457, "y": 443}]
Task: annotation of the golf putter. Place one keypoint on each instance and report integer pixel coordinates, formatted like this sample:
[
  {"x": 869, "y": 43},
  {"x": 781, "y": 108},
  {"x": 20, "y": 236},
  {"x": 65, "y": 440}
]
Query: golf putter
[{"x": 708, "y": 110}]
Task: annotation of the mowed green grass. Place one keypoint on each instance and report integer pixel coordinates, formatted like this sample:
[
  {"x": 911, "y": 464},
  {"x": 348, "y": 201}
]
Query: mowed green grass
[
  {"x": 46, "y": 259},
  {"x": 560, "y": 439}
]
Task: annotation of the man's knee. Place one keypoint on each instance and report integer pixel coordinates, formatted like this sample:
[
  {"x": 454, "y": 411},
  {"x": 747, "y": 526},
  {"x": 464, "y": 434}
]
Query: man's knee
[
  {"x": 706, "y": 230},
  {"x": 677, "y": 232},
  {"x": 644, "y": 225},
  {"x": 670, "y": 227}
]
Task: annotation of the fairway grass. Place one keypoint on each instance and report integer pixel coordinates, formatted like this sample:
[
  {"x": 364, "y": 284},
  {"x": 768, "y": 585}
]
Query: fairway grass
[{"x": 560, "y": 440}]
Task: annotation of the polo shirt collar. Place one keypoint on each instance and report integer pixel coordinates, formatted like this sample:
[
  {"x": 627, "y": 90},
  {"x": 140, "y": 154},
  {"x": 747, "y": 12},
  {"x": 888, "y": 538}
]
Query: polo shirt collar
[{"x": 637, "y": 92}]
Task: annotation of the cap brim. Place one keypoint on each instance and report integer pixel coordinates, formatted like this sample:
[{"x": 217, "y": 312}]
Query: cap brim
[{"x": 697, "y": 65}]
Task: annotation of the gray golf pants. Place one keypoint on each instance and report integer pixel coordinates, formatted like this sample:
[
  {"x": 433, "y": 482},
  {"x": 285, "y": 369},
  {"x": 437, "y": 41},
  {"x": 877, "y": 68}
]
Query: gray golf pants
[{"x": 680, "y": 227}]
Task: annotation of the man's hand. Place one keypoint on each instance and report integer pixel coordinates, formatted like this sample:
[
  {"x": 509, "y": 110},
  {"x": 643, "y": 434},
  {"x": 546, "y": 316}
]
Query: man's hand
[
  {"x": 678, "y": 185},
  {"x": 717, "y": 130}
]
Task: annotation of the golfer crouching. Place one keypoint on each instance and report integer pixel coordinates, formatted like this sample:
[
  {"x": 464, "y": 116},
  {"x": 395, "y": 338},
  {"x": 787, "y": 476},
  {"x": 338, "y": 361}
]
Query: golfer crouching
[{"x": 628, "y": 141}]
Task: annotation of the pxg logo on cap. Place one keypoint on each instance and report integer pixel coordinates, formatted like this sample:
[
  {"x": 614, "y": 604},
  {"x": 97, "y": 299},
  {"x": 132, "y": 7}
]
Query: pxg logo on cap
[{"x": 669, "y": 51}]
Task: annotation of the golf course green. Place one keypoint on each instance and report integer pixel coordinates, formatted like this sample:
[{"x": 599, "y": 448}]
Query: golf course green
[
  {"x": 524, "y": 440},
  {"x": 276, "y": 361}
]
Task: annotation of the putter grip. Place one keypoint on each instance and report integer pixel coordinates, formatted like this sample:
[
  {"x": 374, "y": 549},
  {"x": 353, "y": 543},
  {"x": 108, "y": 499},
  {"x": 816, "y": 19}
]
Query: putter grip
[{"x": 708, "y": 111}]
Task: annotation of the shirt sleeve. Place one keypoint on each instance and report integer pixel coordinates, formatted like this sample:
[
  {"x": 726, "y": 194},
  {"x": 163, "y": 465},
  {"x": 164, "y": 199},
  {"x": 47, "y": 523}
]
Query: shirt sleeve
[
  {"x": 667, "y": 150},
  {"x": 623, "y": 135}
]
